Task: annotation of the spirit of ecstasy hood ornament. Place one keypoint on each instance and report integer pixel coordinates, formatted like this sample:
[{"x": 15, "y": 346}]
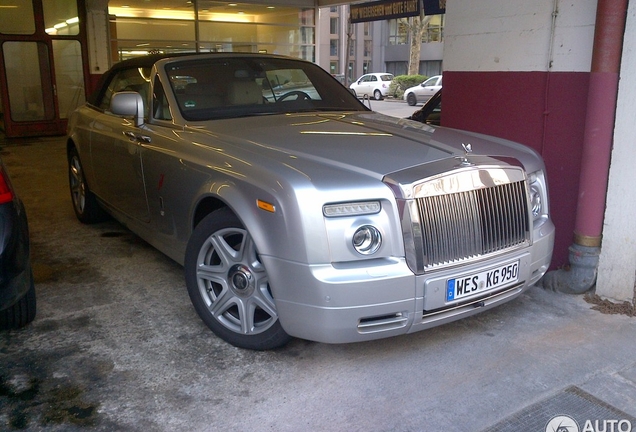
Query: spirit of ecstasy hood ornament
[{"x": 468, "y": 149}]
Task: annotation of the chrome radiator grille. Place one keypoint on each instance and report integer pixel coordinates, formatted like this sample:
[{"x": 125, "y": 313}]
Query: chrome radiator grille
[{"x": 464, "y": 225}]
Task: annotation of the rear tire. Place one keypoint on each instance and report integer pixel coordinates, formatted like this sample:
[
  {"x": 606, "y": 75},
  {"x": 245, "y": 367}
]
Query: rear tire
[
  {"x": 229, "y": 286},
  {"x": 377, "y": 95},
  {"x": 87, "y": 209},
  {"x": 21, "y": 313},
  {"x": 411, "y": 99}
]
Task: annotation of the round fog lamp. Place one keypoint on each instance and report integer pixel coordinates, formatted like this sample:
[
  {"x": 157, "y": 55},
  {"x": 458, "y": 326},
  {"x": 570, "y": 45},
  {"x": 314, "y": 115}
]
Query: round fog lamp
[{"x": 367, "y": 240}]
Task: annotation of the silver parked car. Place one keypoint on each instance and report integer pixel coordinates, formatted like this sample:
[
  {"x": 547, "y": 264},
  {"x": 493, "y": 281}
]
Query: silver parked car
[
  {"x": 423, "y": 92},
  {"x": 302, "y": 213}
]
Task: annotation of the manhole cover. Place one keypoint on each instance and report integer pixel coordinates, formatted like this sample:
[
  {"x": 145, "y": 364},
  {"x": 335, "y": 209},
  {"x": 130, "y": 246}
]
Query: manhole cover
[{"x": 572, "y": 410}]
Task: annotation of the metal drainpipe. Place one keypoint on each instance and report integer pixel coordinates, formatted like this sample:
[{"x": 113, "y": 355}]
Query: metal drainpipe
[{"x": 597, "y": 147}]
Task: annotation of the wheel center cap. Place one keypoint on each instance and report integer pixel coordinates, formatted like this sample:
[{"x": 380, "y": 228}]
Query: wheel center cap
[{"x": 242, "y": 279}]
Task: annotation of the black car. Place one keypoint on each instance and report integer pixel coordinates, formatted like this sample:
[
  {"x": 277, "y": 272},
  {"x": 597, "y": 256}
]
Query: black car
[
  {"x": 17, "y": 290},
  {"x": 431, "y": 112}
]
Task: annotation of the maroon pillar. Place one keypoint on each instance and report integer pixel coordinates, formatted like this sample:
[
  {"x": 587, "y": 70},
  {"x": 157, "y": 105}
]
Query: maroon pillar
[{"x": 599, "y": 124}]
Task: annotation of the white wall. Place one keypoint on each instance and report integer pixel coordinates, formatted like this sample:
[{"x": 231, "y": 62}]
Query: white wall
[
  {"x": 617, "y": 264},
  {"x": 516, "y": 35}
]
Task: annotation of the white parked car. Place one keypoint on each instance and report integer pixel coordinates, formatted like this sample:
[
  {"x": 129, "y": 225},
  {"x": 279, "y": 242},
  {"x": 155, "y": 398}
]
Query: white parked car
[
  {"x": 424, "y": 91},
  {"x": 374, "y": 85}
]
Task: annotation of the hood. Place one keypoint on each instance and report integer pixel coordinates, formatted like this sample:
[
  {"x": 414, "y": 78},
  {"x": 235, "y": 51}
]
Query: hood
[{"x": 366, "y": 142}]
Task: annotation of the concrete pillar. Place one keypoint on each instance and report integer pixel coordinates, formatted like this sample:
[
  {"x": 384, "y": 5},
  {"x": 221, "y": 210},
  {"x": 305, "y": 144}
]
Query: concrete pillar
[{"x": 617, "y": 262}]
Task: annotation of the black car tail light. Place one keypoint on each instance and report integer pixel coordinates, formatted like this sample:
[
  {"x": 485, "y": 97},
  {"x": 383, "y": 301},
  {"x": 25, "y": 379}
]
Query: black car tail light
[{"x": 6, "y": 194}]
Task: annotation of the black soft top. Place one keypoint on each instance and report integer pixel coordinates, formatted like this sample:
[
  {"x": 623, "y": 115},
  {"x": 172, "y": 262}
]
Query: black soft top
[
  {"x": 149, "y": 60},
  {"x": 142, "y": 62}
]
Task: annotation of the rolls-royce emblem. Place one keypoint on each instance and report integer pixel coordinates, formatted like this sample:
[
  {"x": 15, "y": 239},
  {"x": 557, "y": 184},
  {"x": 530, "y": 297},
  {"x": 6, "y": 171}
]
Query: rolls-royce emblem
[{"x": 468, "y": 149}]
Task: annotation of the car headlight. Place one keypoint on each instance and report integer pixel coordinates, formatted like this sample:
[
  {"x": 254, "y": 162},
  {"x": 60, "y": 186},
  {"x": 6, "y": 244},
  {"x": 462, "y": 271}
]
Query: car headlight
[
  {"x": 538, "y": 194},
  {"x": 367, "y": 240},
  {"x": 535, "y": 201}
]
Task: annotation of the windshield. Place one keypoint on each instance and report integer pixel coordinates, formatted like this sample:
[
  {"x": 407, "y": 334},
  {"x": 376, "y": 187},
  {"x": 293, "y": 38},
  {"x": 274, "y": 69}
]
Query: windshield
[{"x": 211, "y": 88}]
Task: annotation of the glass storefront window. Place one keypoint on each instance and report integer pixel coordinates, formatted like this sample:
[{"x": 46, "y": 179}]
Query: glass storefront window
[
  {"x": 435, "y": 30},
  {"x": 368, "y": 48},
  {"x": 333, "y": 47},
  {"x": 267, "y": 29},
  {"x": 307, "y": 17},
  {"x": 17, "y": 18},
  {"x": 25, "y": 83},
  {"x": 307, "y": 35},
  {"x": 367, "y": 28},
  {"x": 398, "y": 32},
  {"x": 60, "y": 17},
  {"x": 69, "y": 76},
  {"x": 308, "y": 53},
  {"x": 333, "y": 25}
]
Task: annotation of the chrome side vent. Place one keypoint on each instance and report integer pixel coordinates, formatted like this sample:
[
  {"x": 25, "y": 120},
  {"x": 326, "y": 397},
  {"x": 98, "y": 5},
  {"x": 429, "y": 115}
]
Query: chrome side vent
[{"x": 464, "y": 225}]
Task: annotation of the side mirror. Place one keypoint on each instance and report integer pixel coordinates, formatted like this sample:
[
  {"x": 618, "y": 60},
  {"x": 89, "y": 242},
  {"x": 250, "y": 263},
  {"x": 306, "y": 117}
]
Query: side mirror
[{"x": 128, "y": 103}]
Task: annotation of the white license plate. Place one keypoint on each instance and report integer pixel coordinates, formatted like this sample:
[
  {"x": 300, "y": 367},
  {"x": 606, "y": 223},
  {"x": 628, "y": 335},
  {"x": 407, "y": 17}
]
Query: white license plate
[{"x": 481, "y": 282}]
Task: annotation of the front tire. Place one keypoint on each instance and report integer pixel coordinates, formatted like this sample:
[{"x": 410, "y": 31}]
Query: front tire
[
  {"x": 228, "y": 284},
  {"x": 85, "y": 205}
]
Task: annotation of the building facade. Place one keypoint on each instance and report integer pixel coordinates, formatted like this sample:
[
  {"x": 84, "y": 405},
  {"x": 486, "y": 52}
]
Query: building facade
[{"x": 351, "y": 50}]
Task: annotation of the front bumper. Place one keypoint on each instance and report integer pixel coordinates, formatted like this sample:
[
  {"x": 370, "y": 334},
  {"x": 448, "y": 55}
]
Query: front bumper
[{"x": 340, "y": 304}]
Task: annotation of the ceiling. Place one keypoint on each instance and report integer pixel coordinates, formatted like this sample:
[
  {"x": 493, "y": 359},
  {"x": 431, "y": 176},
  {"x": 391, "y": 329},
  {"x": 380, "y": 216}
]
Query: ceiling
[{"x": 226, "y": 7}]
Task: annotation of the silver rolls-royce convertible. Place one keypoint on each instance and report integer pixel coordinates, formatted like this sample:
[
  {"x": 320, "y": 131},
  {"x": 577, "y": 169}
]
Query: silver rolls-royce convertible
[{"x": 298, "y": 212}]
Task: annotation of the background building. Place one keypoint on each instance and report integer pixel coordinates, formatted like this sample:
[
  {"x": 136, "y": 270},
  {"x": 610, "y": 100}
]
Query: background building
[{"x": 375, "y": 46}]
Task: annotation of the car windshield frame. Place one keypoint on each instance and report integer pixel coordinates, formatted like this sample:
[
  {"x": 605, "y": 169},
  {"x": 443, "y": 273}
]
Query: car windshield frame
[{"x": 235, "y": 86}]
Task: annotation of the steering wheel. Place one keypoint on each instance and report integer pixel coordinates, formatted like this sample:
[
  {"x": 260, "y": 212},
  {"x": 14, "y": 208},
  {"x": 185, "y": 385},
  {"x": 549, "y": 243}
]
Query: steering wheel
[{"x": 300, "y": 95}]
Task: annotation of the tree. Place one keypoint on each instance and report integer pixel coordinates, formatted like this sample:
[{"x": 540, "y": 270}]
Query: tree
[{"x": 416, "y": 27}]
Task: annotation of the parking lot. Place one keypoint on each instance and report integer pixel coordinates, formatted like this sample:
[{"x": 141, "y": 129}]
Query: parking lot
[{"x": 116, "y": 345}]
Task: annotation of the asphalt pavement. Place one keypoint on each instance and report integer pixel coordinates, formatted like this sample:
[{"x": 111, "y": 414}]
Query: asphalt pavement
[
  {"x": 392, "y": 107},
  {"x": 117, "y": 346}
]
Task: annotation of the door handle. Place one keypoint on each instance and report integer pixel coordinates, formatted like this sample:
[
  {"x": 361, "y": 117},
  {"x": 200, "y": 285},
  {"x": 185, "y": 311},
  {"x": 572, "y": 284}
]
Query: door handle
[
  {"x": 131, "y": 135},
  {"x": 137, "y": 137}
]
